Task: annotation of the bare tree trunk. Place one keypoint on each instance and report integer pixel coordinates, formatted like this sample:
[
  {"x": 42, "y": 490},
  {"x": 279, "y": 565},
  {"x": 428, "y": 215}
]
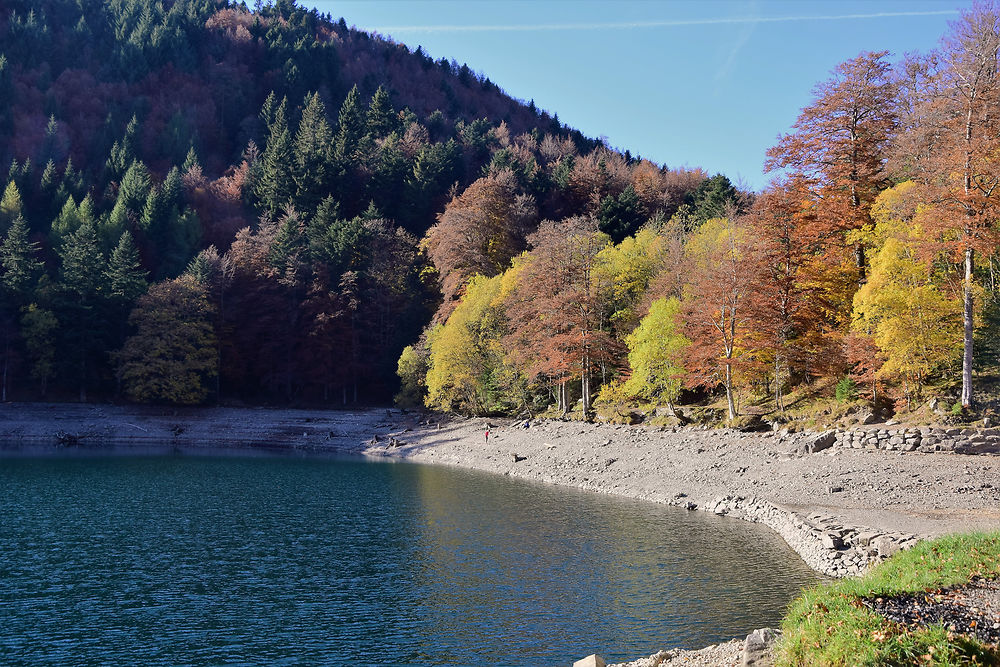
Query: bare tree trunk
[
  {"x": 968, "y": 322},
  {"x": 859, "y": 260},
  {"x": 777, "y": 384},
  {"x": 729, "y": 390}
]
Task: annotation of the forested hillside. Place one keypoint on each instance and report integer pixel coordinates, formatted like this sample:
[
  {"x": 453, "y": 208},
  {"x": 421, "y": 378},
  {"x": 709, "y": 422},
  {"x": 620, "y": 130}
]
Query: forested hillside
[
  {"x": 868, "y": 263},
  {"x": 205, "y": 202}
]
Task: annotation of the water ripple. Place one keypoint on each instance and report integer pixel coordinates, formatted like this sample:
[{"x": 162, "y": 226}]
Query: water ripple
[{"x": 274, "y": 561}]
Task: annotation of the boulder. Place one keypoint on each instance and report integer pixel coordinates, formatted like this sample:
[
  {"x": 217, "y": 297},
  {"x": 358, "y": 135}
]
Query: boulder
[
  {"x": 750, "y": 424},
  {"x": 885, "y": 545},
  {"x": 823, "y": 441},
  {"x": 592, "y": 660},
  {"x": 757, "y": 647},
  {"x": 867, "y": 417},
  {"x": 831, "y": 541}
]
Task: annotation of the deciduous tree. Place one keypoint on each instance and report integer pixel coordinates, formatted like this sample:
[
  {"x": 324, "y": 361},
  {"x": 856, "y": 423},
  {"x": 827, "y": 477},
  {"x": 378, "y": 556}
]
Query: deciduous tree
[{"x": 171, "y": 358}]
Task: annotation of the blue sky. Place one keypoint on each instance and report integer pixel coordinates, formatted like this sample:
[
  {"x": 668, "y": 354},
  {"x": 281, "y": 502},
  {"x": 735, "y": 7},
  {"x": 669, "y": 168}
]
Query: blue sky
[{"x": 709, "y": 83}]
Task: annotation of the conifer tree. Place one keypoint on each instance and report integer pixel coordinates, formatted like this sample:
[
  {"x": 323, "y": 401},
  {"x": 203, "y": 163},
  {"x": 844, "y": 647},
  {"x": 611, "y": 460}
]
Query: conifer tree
[
  {"x": 190, "y": 160},
  {"x": 133, "y": 193},
  {"x": 21, "y": 268},
  {"x": 83, "y": 270},
  {"x": 350, "y": 128},
  {"x": 20, "y": 271},
  {"x": 123, "y": 151},
  {"x": 312, "y": 154},
  {"x": 11, "y": 205},
  {"x": 125, "y": 279},
  {"x": 272, "y": 184},
  {"x": 382, "y": 118}
]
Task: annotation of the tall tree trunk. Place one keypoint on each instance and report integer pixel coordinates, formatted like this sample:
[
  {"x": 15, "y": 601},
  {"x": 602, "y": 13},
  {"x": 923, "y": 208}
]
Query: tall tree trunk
[
  {"x": 967, "y": 321},
  {"x": 777, "y": 384},
  {"x": 729, "y": 390}
]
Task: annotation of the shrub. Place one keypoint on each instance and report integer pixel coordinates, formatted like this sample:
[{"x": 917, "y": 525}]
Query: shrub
[{"x": 847, "y": 390}]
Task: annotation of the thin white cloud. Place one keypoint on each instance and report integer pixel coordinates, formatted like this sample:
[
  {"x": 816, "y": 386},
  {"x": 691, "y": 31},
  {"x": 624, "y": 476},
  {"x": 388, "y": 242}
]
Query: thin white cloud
[
  {"x": 734, "y": 51},
  {"x": 543, "y": 27}
]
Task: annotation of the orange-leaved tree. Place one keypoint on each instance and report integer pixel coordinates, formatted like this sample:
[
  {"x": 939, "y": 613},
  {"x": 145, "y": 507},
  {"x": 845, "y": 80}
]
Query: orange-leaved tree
[
  {"x": 840, "y": 144},
  {"x": 954, "y": 139},
  {"x": 479, "y": 232},
  {"x": 715, "y": 310},
  {"x": 555, "y": 309}
]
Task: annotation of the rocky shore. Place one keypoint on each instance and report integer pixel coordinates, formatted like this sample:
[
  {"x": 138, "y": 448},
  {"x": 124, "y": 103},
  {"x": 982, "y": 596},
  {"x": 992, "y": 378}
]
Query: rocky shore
[
  {"x": 842, "y": 508},
  {"x": 841, "y": 500}
]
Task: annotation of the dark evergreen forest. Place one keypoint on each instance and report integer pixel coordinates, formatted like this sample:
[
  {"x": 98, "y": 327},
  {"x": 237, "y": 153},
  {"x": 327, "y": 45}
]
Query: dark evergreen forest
[{"x": 210, "y": 202}]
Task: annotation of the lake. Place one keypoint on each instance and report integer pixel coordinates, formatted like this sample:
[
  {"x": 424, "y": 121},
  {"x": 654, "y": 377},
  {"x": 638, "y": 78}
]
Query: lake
[{"x": 203, "y": 561}]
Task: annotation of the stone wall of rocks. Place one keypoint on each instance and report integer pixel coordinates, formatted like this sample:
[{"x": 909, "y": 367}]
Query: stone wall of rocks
[
  {"x": 922, "y": 439},
  {"x": 824, "y": 543},
  {"x": 895, "y": 438}
]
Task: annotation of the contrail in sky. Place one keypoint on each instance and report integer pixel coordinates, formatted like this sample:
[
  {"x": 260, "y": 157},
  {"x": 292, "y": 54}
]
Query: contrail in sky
[{"x": 651, "y": 24}]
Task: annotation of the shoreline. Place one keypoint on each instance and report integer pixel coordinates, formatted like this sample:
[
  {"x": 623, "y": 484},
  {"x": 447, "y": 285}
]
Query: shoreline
[{"x": 840, "y": 509}]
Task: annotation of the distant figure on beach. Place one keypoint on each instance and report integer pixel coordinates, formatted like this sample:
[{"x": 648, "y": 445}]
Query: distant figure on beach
[{"x": 487, "y": 434}]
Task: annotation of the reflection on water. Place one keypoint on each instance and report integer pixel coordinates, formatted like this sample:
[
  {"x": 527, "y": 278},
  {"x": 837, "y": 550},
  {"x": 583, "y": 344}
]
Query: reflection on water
[{"x": 172, "y": 560}]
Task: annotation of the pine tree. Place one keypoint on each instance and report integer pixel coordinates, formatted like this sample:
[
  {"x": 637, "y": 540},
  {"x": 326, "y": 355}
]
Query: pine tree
[
  {"x": 133, "y": 194},
  {"x": 190, "y": 161},
  {"x": 312, "y": 154},
  {"x": 65, "y": 223},
  {"x": 11, "y": 206},
  {"x": 125, "y": 279},
  {"x": 21, "y": 268},
  {"x": 17, "y": 282},
  {"x": 273, "y": 185},
  {"x": 382, "y": 118},
  {"x": 83, "y": 328},
  {"x": 350, "y": 129},
  {"x": 123, "y": 151}
]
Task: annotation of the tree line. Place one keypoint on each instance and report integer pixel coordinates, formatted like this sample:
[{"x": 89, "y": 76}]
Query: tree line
[
  {"x": 869, "y": 258},
  {"x": 202, "y": 204}
]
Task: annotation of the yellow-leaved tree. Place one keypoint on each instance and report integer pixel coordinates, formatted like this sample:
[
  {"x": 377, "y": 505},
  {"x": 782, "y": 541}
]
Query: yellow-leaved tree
[
  {"x": 656, "y": 354},
  {"x": 468, "y": 369},
  {"x": 904, "y": 307},
  {"x": 627, "y": 269}
]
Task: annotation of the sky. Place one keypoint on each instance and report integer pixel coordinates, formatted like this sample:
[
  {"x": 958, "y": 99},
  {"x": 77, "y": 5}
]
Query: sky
[{"x": 703, "y": 83}]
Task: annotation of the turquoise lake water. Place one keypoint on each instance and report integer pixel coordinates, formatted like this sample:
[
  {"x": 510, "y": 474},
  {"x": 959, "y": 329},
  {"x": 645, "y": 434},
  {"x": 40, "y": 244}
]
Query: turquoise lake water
[{"x": 274, "y": 561}]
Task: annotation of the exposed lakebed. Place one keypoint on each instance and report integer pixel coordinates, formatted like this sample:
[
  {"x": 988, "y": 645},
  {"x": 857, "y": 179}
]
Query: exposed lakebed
[{"x": 275, "y": 560}]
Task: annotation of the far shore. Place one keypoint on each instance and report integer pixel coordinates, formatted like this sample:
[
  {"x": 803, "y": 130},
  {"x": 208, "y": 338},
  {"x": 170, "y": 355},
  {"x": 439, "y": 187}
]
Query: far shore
[{"x": 841, "y": 509}]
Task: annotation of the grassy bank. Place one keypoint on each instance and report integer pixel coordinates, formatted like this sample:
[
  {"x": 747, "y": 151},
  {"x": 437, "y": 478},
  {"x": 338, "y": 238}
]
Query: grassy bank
[{"x": 829, "y": 625}]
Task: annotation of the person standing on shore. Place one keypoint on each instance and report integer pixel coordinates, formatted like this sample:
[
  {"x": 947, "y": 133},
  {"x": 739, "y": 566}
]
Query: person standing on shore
[{"x": 487, "y": 434}]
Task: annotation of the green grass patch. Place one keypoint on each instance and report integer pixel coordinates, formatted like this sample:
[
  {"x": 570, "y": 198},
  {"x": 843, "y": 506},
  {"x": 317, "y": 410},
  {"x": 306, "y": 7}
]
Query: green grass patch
[{"x": 829, "y": 625}]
